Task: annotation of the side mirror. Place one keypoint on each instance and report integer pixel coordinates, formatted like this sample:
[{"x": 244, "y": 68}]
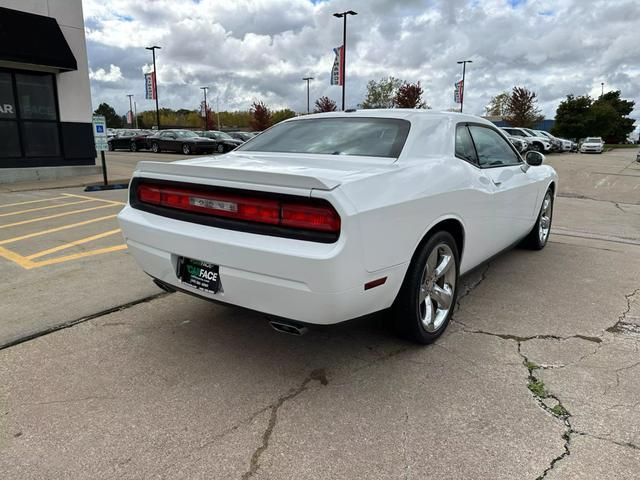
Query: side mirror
[{"x": 534, "y": 158}]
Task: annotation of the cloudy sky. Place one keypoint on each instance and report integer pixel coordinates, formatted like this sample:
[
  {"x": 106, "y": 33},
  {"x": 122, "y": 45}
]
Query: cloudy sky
[{"x": 249, "y": 50}]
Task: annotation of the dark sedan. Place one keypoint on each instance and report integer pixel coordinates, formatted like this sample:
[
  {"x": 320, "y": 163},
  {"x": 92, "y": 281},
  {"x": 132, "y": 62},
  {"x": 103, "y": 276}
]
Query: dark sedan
[
  {"x": 132, "y": 140},
  {"x": 244, "y": 136},
  {"x": 224, "y": 142},
  {"x": 183, "y": 141}
]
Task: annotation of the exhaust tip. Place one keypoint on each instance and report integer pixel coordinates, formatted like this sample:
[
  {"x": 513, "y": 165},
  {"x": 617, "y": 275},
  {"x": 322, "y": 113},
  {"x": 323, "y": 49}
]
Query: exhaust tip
[{"x": 288, "y": 328}]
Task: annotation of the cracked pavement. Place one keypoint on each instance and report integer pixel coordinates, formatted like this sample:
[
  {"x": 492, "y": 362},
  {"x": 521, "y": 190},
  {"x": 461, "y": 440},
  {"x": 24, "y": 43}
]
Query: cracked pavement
[{"x": 538, "y": 376}]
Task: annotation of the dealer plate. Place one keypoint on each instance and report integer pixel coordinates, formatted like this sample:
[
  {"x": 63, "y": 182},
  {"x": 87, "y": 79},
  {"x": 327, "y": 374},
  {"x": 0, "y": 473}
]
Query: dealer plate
[{"x": 201, "y": 275}]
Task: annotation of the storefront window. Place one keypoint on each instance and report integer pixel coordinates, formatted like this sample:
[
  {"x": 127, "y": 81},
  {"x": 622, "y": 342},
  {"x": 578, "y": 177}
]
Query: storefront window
[
  {"x": 40, "y": 139},
  {"x": 7, "y": 100},
  {"x": 9, "y": 140},
  {"x": 36, "y": 97}
]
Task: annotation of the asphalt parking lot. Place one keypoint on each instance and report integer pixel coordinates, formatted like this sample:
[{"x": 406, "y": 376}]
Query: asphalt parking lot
[{"x": 538, "y": 376}]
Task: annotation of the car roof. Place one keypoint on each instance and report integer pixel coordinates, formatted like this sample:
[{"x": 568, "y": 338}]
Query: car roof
[{"x": 410, "y": 114}]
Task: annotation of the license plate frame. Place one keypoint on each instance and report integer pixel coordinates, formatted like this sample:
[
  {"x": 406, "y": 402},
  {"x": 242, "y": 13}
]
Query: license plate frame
[{"x": 203, "y": 276}]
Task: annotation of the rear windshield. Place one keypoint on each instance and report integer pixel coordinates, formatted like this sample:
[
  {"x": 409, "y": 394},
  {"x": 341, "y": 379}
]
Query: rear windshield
[{"x": 371, "y": 137}]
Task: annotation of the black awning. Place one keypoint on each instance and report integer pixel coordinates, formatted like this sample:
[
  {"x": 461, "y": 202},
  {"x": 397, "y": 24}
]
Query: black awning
[{"x": 33, "y": 39}]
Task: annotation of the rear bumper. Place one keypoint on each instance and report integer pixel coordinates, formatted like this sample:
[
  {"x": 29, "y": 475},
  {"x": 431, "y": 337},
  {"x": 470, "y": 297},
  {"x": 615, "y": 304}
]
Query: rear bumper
[{"x": 306, "y": 281}]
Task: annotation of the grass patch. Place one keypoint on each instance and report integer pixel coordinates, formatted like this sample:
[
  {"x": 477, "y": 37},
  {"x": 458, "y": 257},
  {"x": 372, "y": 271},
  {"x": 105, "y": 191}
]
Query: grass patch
[
  {"x": 559, "y": 411},
  {"x": 537, "y": 387},
  {"x": 620, "y": 145}
]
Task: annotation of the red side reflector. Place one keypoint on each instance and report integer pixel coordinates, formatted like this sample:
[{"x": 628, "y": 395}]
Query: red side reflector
[{"x": 375, "y": 283}]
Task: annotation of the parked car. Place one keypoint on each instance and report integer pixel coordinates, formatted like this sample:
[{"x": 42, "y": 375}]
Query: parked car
[
  {"x": 132, "y": 140},
  {"x": 562, "y": 144},
  {"x": 244, "y": 136},
  {"x": 184, "y": 141},
  {"x": 536, "y": 143},
  {"x": 556, "y": 144},
  {"x": 520, "y": 143},
  {"x": 224, "y": 142},
  {"x": 328, "y": 217},
  {"x": 592, "y": 145}
]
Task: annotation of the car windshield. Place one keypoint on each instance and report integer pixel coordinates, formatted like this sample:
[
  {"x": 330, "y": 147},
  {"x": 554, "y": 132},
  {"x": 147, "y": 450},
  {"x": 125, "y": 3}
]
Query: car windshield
[
  {"x": 185, "y": 134},
  {"x": 542, "y": 133},
  {"x": 373, "y": 137},
  {"x": 221, "y": 136},
  {"x": 592, "y": 140}
]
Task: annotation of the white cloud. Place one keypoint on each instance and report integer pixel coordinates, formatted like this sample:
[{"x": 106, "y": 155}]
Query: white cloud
[
  {"x": 261, "y": 49},
  {"x": 101, "y": 75}
]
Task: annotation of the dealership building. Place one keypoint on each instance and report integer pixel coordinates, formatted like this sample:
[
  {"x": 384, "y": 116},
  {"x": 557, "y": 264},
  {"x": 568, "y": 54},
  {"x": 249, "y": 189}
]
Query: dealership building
[{"x": 45, "y": 97}]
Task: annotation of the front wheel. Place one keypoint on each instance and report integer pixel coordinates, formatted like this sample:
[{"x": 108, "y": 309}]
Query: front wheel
[
  {"x": 155, "y": 148},
  {"x": 536, "y": 147},
  {"x": 133, "y": 147},
  {"x": 539, "y": 234},
  {"x": 186, "y": 149},
  {"x": 220, "y": 148},
  {"x": 427, "y": 298}
]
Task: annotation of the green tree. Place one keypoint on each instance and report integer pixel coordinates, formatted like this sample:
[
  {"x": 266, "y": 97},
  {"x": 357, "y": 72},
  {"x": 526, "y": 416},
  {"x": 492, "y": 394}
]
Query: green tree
[
  {"x": 409, "y": 95},
  {"x": 523, "y": 108},
  {"x": 108, "y": 112},
  {"x": 324, "y": 104},
  {"x": 498, "y": 105},
  {"x": 618, "y": 125},
  {"x": 260, "y": 116},
  {"x": 572, "y": 117},
  {"x": 381, "y": 94},
  {"x": 280, "y": 115}
]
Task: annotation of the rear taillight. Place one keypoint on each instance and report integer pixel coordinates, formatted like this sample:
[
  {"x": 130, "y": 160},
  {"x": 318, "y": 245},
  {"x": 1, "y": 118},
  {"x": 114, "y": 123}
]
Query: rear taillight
[{"x": 316, "y": 215}]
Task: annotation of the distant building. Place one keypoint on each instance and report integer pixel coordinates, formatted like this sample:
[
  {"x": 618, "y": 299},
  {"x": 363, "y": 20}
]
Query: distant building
[
  {"x": 45, "y": 97},
  {"x": 546, "y": 124}
]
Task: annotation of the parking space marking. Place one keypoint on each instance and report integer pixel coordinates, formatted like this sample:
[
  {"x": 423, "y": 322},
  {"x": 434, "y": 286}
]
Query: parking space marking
[
  {"x": 114, "y": 202},
  {"x": 33, "y": 201},
  {"x": 20, "y": 212},
  {"x": 56, "y": 229},
  {"x": 57, "y": 215},
  {"x": 76, "y": 256},
  {"x": 72, "y": 244}
]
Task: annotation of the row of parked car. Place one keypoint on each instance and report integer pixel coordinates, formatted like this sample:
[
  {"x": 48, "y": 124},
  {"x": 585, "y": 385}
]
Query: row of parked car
[
  {"x": 525, "y": 139},
  {"x": 177, "y": 140}
]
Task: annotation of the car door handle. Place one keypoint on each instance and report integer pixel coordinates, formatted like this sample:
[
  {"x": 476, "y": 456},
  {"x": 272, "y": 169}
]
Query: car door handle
[{"x": 497, "y": 184}]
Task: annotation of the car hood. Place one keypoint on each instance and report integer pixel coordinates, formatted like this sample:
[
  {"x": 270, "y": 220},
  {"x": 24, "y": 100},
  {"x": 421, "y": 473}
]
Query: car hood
[{"x": 309, "y": 171}]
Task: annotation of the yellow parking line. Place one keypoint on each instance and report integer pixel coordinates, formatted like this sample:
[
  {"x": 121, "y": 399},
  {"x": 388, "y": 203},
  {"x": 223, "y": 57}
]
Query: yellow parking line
[
  {"x": 57, "y": 229},
  {"x": 95, "y": 198},
  {"x": 14, "y": 257},
  {"x": 72, "y": 244},
  {"x": 31, "y": 201},
  {"x": 20, "y": 212},
  {"x": 75, "y": 256},
  {"x": 57, "y": 215}
]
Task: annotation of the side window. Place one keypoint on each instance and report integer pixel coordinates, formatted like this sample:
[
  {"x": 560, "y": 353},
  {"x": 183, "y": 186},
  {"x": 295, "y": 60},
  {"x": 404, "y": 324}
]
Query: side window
[
  {"x": 493, "y": 150},
  {"x": 464, "y": 145}
]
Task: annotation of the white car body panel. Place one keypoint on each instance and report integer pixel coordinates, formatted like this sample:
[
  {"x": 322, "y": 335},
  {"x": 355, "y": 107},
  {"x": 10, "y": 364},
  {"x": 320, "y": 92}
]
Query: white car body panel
[{"x": 386, "y": 206}]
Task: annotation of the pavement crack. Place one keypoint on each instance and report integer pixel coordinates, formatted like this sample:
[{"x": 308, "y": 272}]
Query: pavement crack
[
  {"x": 318, "y": 375},
  {"x": 604, "y": 439},
  {"x": 467, "y": 291},
  {"x": 621, "y": 326}
]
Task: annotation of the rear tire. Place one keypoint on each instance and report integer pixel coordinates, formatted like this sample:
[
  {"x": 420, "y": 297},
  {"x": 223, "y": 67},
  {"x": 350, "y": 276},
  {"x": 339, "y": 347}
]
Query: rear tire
[
  {"x": 186, "y": 149},
  {"x": 220, "y": 148},
  {"x": 133, "y": 147},
  {"x": 539, "y": 234},
  {"x": 155, "y": 148},
  {"x": 427, "y": 298}
]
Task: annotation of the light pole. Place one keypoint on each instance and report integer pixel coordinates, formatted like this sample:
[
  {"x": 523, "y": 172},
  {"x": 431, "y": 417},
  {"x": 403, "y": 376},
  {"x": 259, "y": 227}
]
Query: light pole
[
  {"x": 155, "y": 83},
  {"x": 206, "y": 113},
  {"x": 130, "y": 108},
  {"x": 343, "y": 15},
  {"x": 307, "y": 79},
  {"x": 464, "y": 85},
  {"x": 602, "y": 85}
]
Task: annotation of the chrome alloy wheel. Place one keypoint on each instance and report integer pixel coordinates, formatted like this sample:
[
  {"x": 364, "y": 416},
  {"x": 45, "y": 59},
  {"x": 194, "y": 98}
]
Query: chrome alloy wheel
[
  {"x": 545, "y": 219},
  {"x": 437, "y": 287}
]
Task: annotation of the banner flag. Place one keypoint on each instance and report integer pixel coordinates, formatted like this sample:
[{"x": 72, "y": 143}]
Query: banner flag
[
  {"x": 150, "y": 86},
  {"x": 337, "y": 75},
  {"x": 458, "y": 92}
]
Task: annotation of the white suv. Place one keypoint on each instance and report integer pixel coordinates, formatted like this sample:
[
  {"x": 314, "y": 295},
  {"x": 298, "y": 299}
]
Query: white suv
[{"x": 537, "y": 143}]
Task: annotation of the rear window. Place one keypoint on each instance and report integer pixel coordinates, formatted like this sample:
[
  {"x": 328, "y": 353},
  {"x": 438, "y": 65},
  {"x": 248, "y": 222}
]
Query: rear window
[{"x": 371, "y": 137}]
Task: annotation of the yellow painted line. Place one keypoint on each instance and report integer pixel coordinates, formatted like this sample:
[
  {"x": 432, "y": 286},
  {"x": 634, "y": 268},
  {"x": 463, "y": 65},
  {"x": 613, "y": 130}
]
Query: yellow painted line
[
  {"x": 72, "y": 244},
  {"x": 32, "y": 201},
  {"x": 20, "y": 212},
  {"x": 14, "y": 257},
  {"x": 95, "y": 198},
  {"x": 76, "y": 256},
  {"x": 57, "y": 229},
  {"x": 57, "y": 215}
]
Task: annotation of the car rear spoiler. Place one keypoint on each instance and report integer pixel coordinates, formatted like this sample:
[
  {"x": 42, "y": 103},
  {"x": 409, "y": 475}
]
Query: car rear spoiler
[{"x": 262, "y": 176}]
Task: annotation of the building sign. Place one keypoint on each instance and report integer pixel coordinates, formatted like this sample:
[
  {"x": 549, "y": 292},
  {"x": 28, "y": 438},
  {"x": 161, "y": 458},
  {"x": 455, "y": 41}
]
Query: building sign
[
  {"x": 150, "y": 86},
  {"x": 100, "y": 133},
  {"x": 337, "y": 76}
]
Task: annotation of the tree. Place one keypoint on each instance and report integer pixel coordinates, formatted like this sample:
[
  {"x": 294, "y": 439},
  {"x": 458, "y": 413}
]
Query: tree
[
  {"x": 523, "y": 108},
  {"x": 618, "y": 125},
  {"x": 260, "y": 116},
  {"x": 409, "y": 95},
  {"x": 381, "y": 94},
  {"x": 572, "y": 117},
  {"x": 324, "y": 104},
  {"x": 498, "y": 105},
  {"x": 108, "y": 112},
  {"x": 281, "y": 115}
]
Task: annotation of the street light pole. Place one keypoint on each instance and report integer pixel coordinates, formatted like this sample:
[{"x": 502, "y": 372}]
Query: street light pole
[
  {"x": 343, "y": 15},
  {"x": 602, "y": 85},
  {"x": 130, "y": 108},
  {"x": 307, "y": 79},
  {"x": 155, "y": 76},
  {"x": 206, "y": 113},
  {"x": 464, "y": 85}
]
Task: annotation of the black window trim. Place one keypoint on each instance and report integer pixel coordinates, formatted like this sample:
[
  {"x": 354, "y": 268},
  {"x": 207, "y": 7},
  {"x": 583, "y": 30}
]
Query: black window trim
[{"x": 497, "y": 130}]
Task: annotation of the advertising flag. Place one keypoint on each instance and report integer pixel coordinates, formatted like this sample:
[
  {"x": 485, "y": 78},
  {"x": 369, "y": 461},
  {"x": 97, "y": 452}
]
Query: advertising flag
[
  {"x": 337, "y": 75},
  {"x": 150, "y": 86},
  {"x": 458, "y": 92}
]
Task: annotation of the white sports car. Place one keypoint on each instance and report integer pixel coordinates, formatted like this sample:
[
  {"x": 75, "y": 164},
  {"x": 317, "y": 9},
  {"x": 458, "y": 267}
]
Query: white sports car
[{"x": 333, "y": 216}]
